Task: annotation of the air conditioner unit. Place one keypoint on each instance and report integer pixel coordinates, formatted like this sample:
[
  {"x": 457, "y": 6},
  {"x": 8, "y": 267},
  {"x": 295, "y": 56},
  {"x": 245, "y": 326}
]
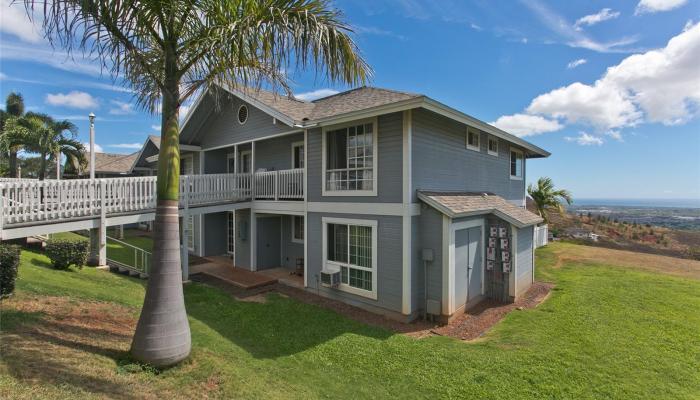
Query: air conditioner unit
[{"x": 330, "y": 278}]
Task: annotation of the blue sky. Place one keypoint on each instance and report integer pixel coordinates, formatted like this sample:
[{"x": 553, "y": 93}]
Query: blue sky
[{"x": 611, "y": 88}]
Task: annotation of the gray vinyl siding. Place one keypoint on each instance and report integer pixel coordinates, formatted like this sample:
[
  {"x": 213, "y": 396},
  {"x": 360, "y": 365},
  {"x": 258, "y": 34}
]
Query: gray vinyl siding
[
  {"x": 290, "y": 250},
  {"x": 430, "y": 237},
  {"x": 148, "y": 151},
  {"x": 389, "y": 262},
  {"x": 441, "y": 160},
  {"x": 213, "y": 127},
  {"x": 388, "y": 164},
  {"x": 417, "y": 267},
  {"x": 215, "y": 234},
  {"x": 215, "y": 161},
  {"x": 524, "y": 267},
  {"x": 242, "y": 253},
  {"x": 276, "y": 153}
]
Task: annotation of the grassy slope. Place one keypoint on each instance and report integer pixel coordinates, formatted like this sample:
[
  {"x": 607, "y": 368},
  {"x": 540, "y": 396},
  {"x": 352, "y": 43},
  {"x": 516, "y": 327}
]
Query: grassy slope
[
  {"x": 606, "y": 332},
  {"x": 115, "y": 251}
]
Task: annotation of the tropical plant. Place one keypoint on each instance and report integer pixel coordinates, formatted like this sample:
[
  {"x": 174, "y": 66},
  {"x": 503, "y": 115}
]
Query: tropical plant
[
  {"x": 169, "y": 50},
  {"x": 546, "y": 198},
  {"x": 11, "y": 138},
  {"x": 49, "y": 139}
]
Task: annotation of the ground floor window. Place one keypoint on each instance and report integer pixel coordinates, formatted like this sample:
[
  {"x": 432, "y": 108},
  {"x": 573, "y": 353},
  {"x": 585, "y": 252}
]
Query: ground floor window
[
  {"x": 351, "y": 246},
  {"x": 298, "y": 229}
]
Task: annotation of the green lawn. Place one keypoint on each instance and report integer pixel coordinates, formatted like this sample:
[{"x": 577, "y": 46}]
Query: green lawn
[
  {"x": 605, "y": 332},
  {"x": 116, "y": 251}
]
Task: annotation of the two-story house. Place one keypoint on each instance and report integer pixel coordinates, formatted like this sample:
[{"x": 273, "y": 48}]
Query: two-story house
[{"x": 392, "y": 201}]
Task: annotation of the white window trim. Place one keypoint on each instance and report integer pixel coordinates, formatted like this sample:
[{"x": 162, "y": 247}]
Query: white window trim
[
  {"x": 295, "y": 239},
  {"x": 247, "y": 114},
  {"x": 294, "y": 146},
  {"x": 375, "y": 160},
  {"x": 522, "y": 167},
  {"x": 488, "y": 148},
  {"x": 466, "y": 139},
  {"x": 336, "y": 265}
]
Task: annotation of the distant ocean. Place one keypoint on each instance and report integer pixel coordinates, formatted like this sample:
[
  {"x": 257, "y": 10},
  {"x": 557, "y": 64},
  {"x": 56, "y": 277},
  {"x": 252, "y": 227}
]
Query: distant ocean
[{"x": 672, "y": 203}]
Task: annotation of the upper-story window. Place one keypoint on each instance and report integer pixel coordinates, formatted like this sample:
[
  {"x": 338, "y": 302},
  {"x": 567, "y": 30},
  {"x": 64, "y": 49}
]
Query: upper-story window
[
  {"x": 349, "y": 160},
  {"x": 298, "y": 155},
  {"x": 493, "y": 145},
  {"x": 473, "y": 139},
  {"x": 516, "y": 164}
]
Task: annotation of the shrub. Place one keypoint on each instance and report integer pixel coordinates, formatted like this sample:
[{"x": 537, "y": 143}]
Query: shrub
[
  {"x": 64, "y": 253},
  {"x": 9, "y": 264}
]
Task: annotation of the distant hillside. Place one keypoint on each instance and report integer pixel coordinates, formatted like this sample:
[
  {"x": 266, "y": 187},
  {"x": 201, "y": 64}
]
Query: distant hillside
[{"x": 657, "y": 230}]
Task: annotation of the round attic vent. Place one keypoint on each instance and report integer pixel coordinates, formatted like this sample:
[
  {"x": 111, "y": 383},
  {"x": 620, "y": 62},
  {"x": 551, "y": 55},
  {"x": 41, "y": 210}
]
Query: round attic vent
[{"x": 242, "y": 114}]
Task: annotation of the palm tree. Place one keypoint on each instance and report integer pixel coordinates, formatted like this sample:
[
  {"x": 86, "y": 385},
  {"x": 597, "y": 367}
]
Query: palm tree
[
  {"x": 47, "y": 137},
  {"x": 11, "y": 138},
  {"x": 169, "y": 50},
  {"x": 546, "y": 198}
]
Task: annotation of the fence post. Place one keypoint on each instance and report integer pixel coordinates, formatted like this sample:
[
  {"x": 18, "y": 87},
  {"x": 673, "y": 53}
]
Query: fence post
[{"x": 275, "y": 182}]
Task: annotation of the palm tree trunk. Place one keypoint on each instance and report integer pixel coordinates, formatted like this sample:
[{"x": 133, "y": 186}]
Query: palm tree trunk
[
  {"x": 13, "y": 163},
  {"x": 42, "y": 167},
  {"x": 162, "y": 336}
]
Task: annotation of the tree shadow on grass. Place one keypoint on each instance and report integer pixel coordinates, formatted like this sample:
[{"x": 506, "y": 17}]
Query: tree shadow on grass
[
  {"x": 275, "y": 326},
  {"x": 38, "y": 349}
]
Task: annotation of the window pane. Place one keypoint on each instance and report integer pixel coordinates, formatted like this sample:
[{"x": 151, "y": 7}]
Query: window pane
[
  {"x": 337, "y": 243},
  {"x": 361, "y": 246}
]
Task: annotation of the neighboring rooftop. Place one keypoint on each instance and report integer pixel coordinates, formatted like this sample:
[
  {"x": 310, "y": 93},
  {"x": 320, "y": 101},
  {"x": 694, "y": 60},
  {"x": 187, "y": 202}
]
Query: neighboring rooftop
[
  {"x": 112, "y": 163},
  {"x": 464, "y": 204}
]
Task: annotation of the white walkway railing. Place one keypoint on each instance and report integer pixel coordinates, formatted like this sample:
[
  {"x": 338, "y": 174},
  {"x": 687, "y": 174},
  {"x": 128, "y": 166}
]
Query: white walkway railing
[
  {"x": 33, "y": 201},
  {"x": 286, "y": 184}
]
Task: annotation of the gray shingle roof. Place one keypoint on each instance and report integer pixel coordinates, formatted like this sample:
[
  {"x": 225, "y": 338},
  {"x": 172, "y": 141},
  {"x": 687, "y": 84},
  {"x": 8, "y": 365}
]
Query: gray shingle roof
[
  {"x": 362, "y": 98},
  {"x": 113, "y": 163},
  {"x": 459, "y": 204}
]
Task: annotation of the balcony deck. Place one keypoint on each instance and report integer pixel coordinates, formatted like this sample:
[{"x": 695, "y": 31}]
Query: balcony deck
[{"x": 31, "y": 203}]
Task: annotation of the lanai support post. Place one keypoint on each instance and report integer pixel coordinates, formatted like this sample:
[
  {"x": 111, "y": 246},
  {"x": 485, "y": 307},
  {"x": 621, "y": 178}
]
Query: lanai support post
[{"x": 98, "y": 236}]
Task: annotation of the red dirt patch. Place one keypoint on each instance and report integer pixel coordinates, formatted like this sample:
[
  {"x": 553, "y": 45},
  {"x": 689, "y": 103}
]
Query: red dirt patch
[{"x": 479, "y": 319}]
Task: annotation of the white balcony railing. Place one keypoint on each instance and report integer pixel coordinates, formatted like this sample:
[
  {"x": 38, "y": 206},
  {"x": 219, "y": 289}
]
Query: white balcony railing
[
  {"x": 287, "y": 184},
  {"x": 27, "y": 201}
]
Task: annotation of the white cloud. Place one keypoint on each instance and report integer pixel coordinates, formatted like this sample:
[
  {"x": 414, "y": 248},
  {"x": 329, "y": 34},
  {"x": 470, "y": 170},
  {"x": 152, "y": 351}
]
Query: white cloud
[
  {"x": 371, "y": 30},
  {"x": 74, "y": 99},
  {"x": 126, "y": 145},
  {"x": 592, "y": 19},
  {"x": 98, "y": 148},
  {"x": 47, "y": 56},
  {"x": 14, "y": 20},
  {"x": 660, "y": 85},
  {"x": 576, "y": 63},
  {"x": 601, "y": 105},
  {"x": 316, "y": 94},
  {"x": 155, "y": 127},
  {"x": 121, "y": 108},
  {"x": 653, "y": 6},
  {"x": 476, "y": 27},
  {"x": 526, "y": 125},
  {"x": 2, "y": 76},
  {"x": 585, "y": 139},
  {"x": 574, "y": 37}
]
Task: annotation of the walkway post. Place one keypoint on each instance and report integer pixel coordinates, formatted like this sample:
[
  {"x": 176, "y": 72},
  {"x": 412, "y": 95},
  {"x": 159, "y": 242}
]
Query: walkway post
[{"x": 92, "y": 146}]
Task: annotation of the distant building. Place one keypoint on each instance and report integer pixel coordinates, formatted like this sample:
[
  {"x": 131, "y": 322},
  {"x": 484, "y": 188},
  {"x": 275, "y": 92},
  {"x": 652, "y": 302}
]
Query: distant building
[{"x": 582, "y": 233}]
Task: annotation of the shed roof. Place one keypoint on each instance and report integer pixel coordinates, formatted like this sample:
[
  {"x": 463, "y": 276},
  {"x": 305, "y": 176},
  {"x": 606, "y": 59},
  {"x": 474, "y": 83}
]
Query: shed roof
[{"x": 464, "y": 204}]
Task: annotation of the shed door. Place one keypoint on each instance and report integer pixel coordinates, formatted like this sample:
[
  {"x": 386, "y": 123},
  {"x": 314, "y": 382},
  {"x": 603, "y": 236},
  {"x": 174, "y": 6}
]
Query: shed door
[
  {"x": 475, "y": 263},
  {"x": 461, "y": 266}
]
